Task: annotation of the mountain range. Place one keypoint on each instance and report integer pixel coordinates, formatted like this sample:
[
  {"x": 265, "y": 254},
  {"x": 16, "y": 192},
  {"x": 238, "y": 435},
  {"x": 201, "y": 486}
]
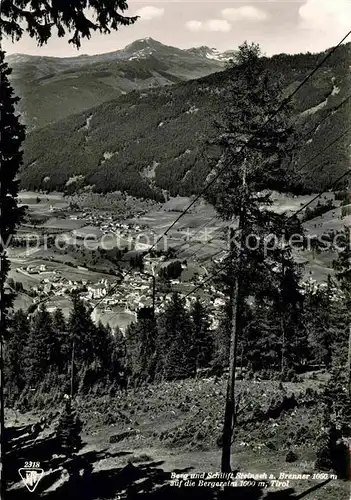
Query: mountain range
[
  {"x": 52, "y": 88},
  {"x": 138, "y": 119}
]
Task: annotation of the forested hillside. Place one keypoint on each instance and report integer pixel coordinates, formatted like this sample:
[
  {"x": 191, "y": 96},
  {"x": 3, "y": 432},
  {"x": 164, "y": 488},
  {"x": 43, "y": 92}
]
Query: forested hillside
[{"x": 148, "y": 141}]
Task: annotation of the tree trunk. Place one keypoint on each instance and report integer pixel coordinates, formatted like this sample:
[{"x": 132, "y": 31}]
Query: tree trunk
[
  {"x": 2, "y": 421},
  {"x": 72, "y": 369},
  {"x": 228, "y": 425},
  {"x": 282, "y": 361},
  {"x": 282, "y": 323},
  {"x": 241, "y": 359},
  {"x": 349, "y": 364},
  {"x": 2, "y": 409}
]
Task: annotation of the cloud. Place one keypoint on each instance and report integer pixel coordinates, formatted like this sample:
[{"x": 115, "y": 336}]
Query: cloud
[
  {"x": 194, "y": 25},
  {"x": 326, "y": 15},
  {"x": 149, "y": 12},
  {"x": 245, "y": 13},
  {"x": 219, "y": 25}
]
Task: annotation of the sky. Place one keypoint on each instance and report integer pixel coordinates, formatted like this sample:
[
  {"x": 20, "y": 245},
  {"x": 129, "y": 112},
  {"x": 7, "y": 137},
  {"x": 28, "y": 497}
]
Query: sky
[{"x": 289, "y": 26}]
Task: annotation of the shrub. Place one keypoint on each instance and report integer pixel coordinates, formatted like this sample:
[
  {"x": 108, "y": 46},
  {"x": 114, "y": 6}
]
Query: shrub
[
  {"x": 68, "y": 431},
  {"x": 291, "y": 457}
]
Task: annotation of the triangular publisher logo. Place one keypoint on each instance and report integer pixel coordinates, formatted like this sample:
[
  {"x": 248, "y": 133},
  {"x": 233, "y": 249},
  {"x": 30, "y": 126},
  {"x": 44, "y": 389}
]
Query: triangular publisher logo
[{"x": 31, "y": 477}]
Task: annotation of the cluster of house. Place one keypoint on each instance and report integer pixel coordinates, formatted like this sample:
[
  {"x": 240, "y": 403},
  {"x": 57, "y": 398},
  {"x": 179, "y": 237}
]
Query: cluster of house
[
  {"x": 57, "y": 285},
  {"x": 36, "y": 269},
  {"x": 312, "y": 287},
  {"x": 132, "y": 294},
  {"x": 98, "y": 225}
]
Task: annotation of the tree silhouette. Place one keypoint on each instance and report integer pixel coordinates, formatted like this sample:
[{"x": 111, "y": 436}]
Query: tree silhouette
[
  {"x": 80, "y": 17},
  {"x": 11, "y": 138},
  {"x": 40, "y": 348},
  {"x": 250, "y": 159},
  {"x": 16, "y": 351},
  {"x": 176, "y": 356},
  {"x": 68, "y": 430},
  {"x": 202, "y": 339}
]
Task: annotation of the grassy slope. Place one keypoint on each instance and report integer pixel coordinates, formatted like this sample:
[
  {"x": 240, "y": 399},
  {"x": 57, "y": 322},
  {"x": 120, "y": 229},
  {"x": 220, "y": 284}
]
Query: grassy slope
[
  {"x": 175, "y": 425},
  {"x": 164, "y": 129}
]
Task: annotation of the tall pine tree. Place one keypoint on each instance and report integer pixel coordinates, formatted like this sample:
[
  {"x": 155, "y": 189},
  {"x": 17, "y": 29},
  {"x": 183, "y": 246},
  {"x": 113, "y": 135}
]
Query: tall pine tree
[
  {"x": 80, "y": 331},
  {"x": 40, "y": 348},
  {"x": 203, "y": 341},
  {"x": 16, "y": 351},
  {"x": 342, "y": 267},
  {"x": 251, "y": 160},
  {"x": 68, "y": 430},
  {"x": 140, "y": 347},
  {"x": 11, "y": 139},
  {"x": 12, "y": 134},
  {"x": 61, "y": 354},
  {"x": 176, "y": 354}
]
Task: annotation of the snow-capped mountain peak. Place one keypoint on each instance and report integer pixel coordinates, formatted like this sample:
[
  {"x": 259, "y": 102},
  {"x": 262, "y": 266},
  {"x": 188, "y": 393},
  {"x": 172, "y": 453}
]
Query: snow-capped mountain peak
[{"x": 212, "y": 53}]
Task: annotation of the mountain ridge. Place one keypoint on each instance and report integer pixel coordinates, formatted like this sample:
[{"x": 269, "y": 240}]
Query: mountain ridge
[
  {"x": 19, "y": 57},
  {"x": 150, "y": 141},
  {"x": 48, "y": 85}
]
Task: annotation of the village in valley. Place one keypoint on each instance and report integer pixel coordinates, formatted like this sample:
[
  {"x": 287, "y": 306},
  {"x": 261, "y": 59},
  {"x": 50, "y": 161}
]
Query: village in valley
[
  {"x": 60, "y": 250},
  {"x": 43, "y": 265}
]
